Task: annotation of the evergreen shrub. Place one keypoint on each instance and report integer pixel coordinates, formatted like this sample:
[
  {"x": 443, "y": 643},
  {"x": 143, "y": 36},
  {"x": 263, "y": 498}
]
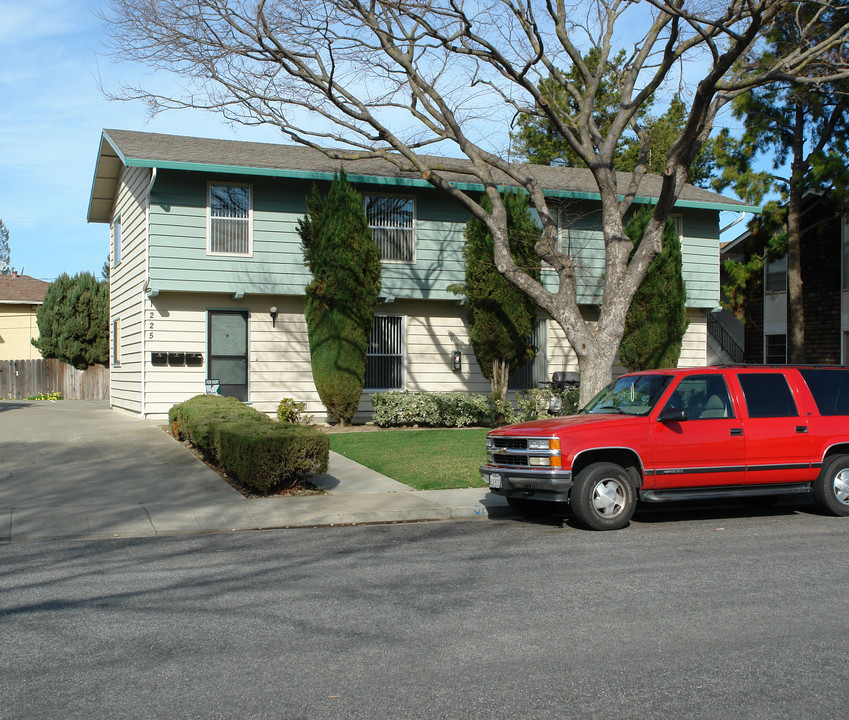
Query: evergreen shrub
[
  {"x": 258, "y": 452},
  {"x": 397, "y": 409}
]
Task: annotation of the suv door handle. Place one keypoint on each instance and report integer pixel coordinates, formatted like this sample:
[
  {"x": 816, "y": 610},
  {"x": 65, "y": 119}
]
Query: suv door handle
[
  {"x": 736, "y": 431},
  {"x": 801, "y": 428}
]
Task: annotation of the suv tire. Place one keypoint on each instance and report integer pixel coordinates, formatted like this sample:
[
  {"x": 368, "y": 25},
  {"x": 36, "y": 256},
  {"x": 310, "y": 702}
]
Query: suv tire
[
  {"x": 831, "y": 488},
  {"x": 603, "y": 496}
]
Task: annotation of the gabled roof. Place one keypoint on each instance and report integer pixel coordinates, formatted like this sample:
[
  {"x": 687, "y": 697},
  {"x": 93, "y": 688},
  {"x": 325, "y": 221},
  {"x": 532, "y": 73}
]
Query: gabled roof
[
  {"x": 22, "y": 290},
  {"x": 175, "y": 152}
]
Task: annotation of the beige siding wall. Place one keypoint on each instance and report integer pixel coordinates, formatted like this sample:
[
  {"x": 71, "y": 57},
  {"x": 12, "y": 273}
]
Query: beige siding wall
[
  {"x": 694, "y": 345},
  {"x": 279, "y": 356},
  {"x": 127, "y": 280},
  {"x": 279, "y": 364},
  {"x": 17, "y": 328}
]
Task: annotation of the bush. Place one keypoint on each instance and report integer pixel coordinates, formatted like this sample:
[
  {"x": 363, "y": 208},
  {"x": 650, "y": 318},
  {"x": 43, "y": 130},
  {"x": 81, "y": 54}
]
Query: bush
[
  {"x": 251, "y": 447},
  {"x": 395, "y": 409},
  {"x": 533, "y": 404},
  {"x": 292, "y": 411}
]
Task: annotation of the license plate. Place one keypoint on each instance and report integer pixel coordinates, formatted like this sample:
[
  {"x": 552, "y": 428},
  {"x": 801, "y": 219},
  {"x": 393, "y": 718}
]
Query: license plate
[{"x": 495, "y": 481}]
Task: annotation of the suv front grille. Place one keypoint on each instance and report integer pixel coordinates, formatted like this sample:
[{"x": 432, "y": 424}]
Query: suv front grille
[{"x": 510, "y": 443}]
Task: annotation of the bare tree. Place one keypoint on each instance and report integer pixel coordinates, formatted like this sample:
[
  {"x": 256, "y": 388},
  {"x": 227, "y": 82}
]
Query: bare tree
[{"x": 392, "y": 78}]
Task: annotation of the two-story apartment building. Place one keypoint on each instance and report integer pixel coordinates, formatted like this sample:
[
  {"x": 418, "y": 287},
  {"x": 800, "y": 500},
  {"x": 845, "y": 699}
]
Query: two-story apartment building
[
  {"x": 825, "y": 289},
  {"x": 208, "y": 277}
]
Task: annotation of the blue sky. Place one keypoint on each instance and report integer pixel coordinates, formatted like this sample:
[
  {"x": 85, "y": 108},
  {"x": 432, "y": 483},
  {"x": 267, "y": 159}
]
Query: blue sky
[{"x": 51, "y": 116}]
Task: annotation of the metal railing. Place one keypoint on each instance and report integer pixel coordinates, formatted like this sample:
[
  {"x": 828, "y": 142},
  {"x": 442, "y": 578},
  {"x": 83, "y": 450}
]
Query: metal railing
[{"x": 724, "y": 338}]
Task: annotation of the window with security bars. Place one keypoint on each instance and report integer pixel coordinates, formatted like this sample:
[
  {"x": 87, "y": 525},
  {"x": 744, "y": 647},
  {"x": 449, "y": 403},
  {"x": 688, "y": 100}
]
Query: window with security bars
[
  {"x": 392, "y": 222},
  {"x": 385, "y": 356},
  {"x": 533, "y": 372},
  {"x": 230, "y": 219}
]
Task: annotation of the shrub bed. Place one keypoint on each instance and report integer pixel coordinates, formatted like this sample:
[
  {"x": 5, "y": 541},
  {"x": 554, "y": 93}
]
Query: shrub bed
[
  {"x": 258, "y": 452},
  {"x": 397, "y": 409}
]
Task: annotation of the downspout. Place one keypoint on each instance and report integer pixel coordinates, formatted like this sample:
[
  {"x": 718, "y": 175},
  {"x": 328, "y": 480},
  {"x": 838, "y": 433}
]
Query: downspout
[{"x": 145, "y": 287}]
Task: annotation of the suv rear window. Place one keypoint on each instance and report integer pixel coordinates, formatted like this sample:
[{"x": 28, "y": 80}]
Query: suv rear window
[
  {"x": 830, "y": 388},
  {"x": 767, "y": 395}
]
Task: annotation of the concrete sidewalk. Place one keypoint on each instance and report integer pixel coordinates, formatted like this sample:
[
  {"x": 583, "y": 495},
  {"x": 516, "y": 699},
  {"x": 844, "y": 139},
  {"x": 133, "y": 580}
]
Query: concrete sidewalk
[{"x": 75, "y": 469}]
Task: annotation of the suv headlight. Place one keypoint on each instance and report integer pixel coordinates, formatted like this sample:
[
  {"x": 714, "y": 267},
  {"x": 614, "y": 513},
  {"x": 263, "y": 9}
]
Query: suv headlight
[{"x": 538, "y": 444}]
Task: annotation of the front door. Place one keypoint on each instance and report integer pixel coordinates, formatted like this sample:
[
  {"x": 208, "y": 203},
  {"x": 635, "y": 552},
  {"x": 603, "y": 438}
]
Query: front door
[{"x": 228, "y": 351}]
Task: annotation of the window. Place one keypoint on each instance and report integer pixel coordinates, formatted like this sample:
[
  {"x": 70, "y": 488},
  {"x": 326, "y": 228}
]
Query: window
[
  {"x": 533, "y": 372},
  {"x": 830, "y": 388},
  {"x": 767, "y": 395},
  {"x": 845, "y": 261},
  {"x": 385, "y": 356},
  {"x": 775, "y": 275},
  {"x": 228, "y": 352},
  {"x": 230, "y": 220},
  {"x": 116, "y": 342},
  {"x": 702, "y": 397},
  {"x": 775, "y": 349},
  {"x": 116, "y": 241},
  {"x": 392, "y": 222}
]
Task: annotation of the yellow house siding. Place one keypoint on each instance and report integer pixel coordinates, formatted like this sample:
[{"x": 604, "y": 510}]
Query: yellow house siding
[
  {"x": 17, "y": 327},
  {"x": 127, "y": 280}
]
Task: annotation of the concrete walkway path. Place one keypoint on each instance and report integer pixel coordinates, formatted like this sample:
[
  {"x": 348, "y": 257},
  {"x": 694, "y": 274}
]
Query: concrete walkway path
[{"x": 76, "y": 469}]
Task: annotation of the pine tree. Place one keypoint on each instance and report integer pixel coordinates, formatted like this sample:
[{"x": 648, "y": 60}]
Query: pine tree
[
  {"x": 5, "y": 252},
  {"x": 501, "y": 317},
  {"x": 73, "y": 321},
  {"x": 342, "y": 295},
  {"x": 657, "y": 319},
  {"x": 803, "y": 125}
]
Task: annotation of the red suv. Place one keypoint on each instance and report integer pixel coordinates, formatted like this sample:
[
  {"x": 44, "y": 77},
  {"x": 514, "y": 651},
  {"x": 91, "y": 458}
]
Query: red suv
[{"x": 660, "y": 435}]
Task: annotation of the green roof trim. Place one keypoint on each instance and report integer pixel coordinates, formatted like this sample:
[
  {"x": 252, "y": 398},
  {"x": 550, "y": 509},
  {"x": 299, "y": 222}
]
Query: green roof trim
[{"x": 403, "y": 182}]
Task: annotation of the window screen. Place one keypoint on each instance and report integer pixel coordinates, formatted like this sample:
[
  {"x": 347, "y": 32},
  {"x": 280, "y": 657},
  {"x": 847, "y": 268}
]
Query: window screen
[
  {"x": 385, "y": 357},
  {"x": 767, "y": 395},
  {"x": 230, "y": 219},
  {"x": 392, "y": 228}
]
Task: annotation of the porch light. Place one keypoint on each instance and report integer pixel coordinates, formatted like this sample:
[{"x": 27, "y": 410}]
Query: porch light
[{"x": 273, "y": 313}]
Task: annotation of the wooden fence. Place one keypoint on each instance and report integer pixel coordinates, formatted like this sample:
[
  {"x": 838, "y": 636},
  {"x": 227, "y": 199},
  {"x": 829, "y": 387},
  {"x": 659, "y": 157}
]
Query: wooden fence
[{"x": 20, "y": 379}]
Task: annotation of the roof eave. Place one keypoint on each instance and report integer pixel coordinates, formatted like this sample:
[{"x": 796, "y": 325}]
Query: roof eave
[
  {"x": 405, "y": 182},
  {"x": 104, "y": 184}
]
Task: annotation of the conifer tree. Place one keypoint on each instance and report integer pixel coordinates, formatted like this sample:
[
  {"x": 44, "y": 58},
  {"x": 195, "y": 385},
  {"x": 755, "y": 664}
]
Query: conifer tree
[
  {"x": 5, "y": 252},
  {"x": 73, "y": 321},
  {"x": 501, "y": 317},
  {"x": 657, "y": 319},
  {"x": 342, "y": 295}
]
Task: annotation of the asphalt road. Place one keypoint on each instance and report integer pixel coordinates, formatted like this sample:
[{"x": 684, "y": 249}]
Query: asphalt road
[{"x": 701, "y": 614}]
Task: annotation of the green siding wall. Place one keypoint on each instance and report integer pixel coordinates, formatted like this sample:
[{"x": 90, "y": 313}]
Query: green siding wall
[{"x": 178, "y": 258}]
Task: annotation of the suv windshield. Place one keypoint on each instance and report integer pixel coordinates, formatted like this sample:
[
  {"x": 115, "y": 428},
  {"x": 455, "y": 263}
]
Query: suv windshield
[{"x": 629, "y": 395}]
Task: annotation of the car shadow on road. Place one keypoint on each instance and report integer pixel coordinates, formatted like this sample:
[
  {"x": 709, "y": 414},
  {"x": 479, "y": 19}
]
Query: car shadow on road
[{"x": 11, "y": 405}]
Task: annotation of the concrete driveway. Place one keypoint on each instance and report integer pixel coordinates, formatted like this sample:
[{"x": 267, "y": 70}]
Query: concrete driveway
[
  {"x": 78, "y": 452},
  {"x": 76, "y": 469}
]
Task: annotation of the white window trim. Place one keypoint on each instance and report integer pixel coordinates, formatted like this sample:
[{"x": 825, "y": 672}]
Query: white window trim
[
  {"x": 116, "y": 342},
  {"x": 767, "y": 263},
  {"x": 217, "y": 183},
  {"x": 117, "y": 240},
  {"x": 403, "y": 355},
  {"x": 415, "y": 225}
]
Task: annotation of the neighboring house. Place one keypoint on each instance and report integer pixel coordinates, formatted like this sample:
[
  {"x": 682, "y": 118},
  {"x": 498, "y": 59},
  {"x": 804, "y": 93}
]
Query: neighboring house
[
  {"x": 207, "y": 273},
  {"x": 20, "y": 296},
  {"x": 825, "y": 287}
]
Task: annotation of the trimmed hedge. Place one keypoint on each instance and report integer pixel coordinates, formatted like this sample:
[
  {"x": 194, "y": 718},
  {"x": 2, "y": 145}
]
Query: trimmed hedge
[
  {"x": 260, "y": 453},
  {"x": 395, "y": 409}
]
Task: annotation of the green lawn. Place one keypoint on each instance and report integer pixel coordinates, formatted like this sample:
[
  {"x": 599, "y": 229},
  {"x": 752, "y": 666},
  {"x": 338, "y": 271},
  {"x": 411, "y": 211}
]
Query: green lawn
[{"x": 423, "y": 459}]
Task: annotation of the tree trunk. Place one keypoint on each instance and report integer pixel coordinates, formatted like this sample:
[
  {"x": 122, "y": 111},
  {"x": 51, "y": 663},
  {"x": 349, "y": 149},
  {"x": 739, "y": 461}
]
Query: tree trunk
[
  {"x": 500, "y": 378},
  {"x": 796, "y": 314}
]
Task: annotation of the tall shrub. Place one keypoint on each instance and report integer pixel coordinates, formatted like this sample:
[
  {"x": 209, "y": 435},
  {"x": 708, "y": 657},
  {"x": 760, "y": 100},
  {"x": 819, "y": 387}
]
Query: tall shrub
[
  {"x": 341, "y": 297},
  {"x": 73, "y": 321},
  {"x": 657, "y": 319},
  {"x": 501, "y": 316}
]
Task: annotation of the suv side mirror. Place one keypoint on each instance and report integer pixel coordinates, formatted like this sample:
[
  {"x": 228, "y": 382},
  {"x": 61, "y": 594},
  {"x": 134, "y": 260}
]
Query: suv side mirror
[{"x": 672, "y": 414}]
